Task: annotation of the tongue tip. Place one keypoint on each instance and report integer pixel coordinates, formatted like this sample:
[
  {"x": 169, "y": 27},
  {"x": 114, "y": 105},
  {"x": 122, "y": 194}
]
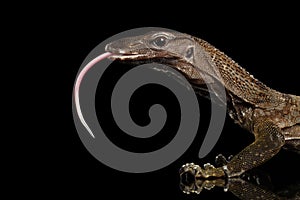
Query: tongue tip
[{"x": 77, "y": 87}]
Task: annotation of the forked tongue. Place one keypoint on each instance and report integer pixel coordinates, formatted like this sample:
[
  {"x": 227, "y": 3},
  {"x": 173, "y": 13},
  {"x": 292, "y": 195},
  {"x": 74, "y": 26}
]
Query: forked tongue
[{"x": 77, "y": 87}]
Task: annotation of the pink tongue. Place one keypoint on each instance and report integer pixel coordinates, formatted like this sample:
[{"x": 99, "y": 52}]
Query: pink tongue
[{"x": 77, "y": 86}]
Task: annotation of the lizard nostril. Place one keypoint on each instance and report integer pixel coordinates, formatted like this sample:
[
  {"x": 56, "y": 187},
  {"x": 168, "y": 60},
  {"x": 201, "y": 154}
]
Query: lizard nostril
[{"x": 110, "y": 48}]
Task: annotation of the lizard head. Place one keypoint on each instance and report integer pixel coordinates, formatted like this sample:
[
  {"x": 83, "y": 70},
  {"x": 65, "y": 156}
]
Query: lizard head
[{"x": 178, "y": 50}]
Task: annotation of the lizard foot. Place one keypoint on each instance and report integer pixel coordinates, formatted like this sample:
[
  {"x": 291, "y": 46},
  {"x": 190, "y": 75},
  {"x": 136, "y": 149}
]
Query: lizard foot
[
  {"x": 207, "y": 171},
  {"x": 193, "y": 178}
]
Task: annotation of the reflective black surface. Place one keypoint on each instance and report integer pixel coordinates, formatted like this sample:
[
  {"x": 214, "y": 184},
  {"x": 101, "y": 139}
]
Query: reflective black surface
[{"x": 261, "y": 40}]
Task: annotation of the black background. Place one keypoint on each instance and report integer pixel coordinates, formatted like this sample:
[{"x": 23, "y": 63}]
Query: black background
[{"x": 262, "y": 39}]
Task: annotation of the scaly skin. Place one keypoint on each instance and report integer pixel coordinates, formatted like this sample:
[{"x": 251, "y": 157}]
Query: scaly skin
[{"x": 273, "y": 117}]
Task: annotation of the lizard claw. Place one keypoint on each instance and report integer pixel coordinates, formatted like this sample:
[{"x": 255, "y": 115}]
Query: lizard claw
[
  {"x": 208, "y": 166},
  {"x": 191, "y": 168}
]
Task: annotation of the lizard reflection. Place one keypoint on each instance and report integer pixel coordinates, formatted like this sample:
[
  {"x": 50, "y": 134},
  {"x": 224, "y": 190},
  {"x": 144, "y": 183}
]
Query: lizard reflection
[{"x": 251, "y": 185}]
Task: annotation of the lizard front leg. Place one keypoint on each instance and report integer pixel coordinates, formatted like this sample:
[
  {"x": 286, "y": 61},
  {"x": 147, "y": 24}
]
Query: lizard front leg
[{"x": 268, "y": 141}]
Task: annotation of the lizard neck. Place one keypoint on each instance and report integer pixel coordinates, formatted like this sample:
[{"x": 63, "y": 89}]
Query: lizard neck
[{"x": 238, "y": 82}]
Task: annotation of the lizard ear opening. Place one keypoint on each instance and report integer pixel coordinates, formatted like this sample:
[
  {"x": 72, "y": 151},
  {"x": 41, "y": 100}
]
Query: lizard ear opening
[{"x": 189, "y": 53}]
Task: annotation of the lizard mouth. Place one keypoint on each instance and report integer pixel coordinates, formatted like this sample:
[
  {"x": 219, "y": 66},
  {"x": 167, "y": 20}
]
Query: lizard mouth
[
  {"x": 120, "y": 54},
  {"x": 125, "y": 56},
  {"x": 141, "y": 54}
]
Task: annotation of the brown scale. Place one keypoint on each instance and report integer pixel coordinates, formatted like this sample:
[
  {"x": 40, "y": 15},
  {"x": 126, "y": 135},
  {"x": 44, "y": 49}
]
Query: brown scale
[{"x": 239, "y": 81}]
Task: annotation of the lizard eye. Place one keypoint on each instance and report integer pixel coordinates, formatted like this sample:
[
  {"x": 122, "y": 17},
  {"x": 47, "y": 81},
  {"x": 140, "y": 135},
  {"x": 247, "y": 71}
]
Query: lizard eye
[
  {"x": 160, "y": 41},
  {"x": 189, "y": 52}
]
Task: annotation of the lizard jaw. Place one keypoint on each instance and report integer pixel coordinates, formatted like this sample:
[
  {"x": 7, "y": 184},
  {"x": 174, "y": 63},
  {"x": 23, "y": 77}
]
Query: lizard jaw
[{"x": 125, "y": 57}]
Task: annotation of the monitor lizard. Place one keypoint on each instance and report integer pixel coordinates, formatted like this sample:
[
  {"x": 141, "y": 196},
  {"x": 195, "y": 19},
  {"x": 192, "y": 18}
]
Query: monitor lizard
[{"x": 273, "y": 117}]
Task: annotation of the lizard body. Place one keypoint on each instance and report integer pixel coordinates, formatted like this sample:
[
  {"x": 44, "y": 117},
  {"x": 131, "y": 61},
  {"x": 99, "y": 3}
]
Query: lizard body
[{"x": 273, "y": 117}]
